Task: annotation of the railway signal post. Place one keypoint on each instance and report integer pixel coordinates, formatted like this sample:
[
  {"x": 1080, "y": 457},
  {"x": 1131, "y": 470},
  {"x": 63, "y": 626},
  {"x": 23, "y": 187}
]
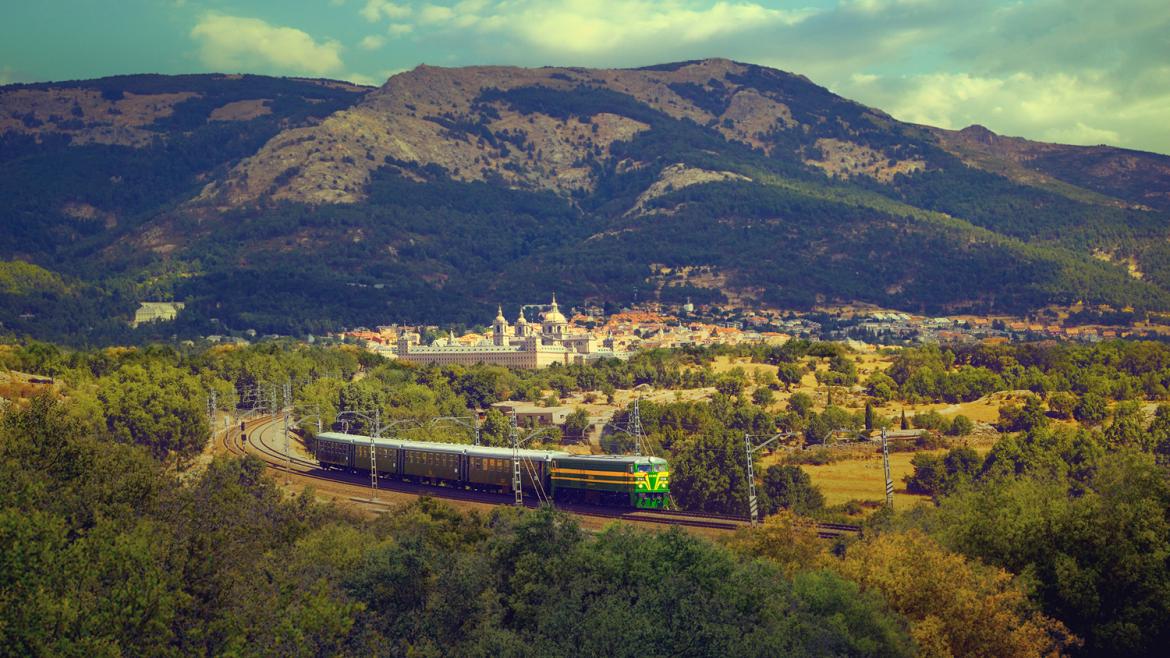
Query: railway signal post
[
  {"x": 377, "y": 420},
  {"x": 516, "y": 484},
  {"x": 749, "y": 450},
  {"x": 886, "y": 467}
]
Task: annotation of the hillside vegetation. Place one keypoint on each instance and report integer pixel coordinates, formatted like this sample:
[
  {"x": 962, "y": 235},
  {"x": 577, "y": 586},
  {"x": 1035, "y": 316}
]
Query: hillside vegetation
[{"x": 269, "y": 203}]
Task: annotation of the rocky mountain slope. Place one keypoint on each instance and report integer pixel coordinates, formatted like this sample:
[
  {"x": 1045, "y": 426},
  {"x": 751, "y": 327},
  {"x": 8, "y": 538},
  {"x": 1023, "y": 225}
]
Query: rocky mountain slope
[{"x": 297, "y": 205}]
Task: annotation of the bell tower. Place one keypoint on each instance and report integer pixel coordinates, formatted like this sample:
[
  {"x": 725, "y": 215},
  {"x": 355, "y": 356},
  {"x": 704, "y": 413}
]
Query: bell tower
[{"x": 500, "y": 328}]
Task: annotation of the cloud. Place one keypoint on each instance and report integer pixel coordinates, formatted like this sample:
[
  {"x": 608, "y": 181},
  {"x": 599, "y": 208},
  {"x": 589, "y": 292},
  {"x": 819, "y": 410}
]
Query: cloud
[
  {"x": 583, "y": 27},
  {"x": 375, "y": 10},
  {"x": 430, "y": 14},
  {"x": 361, "y": 79},
  {"x": 236, "y": 43},
  {"x": 1073, "y": 70},
  {"x": 372, "y": 42},
  {"x": 1062, "y": 108},
  {"x": 372, "y": 80}
]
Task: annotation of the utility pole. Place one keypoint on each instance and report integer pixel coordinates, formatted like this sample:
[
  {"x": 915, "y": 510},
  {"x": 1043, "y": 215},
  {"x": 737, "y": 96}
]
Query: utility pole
[
  {"x": 636, "y": 427},
  {"x": 749, "y": 449},
  {"x": 367, "y": 417},
  {"x": 374, "y": 453},
  {"x": 516, "y": 483},
  {"x": 287, "y": 457},
  {"x": 886, "y": 467},
  {"x": 751, "y": 478}
]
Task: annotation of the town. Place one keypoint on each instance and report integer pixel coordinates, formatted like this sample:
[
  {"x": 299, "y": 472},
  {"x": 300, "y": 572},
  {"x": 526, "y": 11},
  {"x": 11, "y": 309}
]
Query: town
[{"x": 590, "y": 334}]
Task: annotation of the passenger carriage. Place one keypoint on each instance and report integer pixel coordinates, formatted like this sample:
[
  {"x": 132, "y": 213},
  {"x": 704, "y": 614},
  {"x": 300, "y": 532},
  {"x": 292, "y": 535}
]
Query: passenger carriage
[{"x": 626, "y": 481}]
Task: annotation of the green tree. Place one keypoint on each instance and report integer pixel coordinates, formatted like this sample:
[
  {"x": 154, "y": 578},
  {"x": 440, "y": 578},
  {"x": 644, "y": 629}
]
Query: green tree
[
  {"x": 496, "y": 429},
  {"x": 576, "y": 423},
  {"x": 1097, "y": 554},
  {"x": 881, "y": 387},
  {"x": 789, "y": 375},
  {"x": 1092, "y": 409},
  {"x": 789, "y": 487},
  {"x": 708, "y": 474},
  {"x": 928, "y": 476},
  {"x": 763, "y": 396},
  {"x": 1062, "y": 404},
  {"x": 941, "y": 592},
  {"x": 961, "y": 426},
  {"x": 1160, "y": 434},
  {"x": 1128, "y": 428},
  {"x": 932, "y": 420},
  {"x": 801, "y": 404},
  {"x": 155, "y": 405}
]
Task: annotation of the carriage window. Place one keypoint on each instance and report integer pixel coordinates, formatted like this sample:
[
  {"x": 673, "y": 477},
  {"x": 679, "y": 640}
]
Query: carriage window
[{"x": 644, "y": 468}]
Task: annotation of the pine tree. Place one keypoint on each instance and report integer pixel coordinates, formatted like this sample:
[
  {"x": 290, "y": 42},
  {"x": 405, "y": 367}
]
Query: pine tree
[
  {"x": 905, "y": 423},
  {"x": 868, "y": 416}
]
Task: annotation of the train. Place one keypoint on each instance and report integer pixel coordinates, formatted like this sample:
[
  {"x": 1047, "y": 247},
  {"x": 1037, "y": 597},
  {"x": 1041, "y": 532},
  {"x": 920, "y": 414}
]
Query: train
[{"x": 616, "y": 480}]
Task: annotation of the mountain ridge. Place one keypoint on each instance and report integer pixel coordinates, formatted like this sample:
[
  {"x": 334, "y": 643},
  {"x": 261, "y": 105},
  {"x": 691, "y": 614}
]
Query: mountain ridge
[{"x": 454, "y": 188}]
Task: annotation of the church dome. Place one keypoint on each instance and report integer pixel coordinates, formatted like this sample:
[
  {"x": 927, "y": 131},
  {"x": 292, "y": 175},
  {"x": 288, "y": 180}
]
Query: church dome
[
  {"x": 521, "y": 320},
  {"x": 553, "y": 315}
]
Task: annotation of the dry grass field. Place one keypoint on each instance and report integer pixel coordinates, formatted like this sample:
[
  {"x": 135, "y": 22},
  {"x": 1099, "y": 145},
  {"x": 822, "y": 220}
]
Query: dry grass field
[{"x": 861, "y": 478}]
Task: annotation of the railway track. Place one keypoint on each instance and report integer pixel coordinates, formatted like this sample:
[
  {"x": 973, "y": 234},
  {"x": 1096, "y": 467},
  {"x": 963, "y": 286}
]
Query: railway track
[{"x": 258, "y": 441}]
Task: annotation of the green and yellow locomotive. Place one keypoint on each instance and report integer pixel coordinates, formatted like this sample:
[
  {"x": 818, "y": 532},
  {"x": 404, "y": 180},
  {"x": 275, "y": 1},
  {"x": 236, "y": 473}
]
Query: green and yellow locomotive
[
  {"x": 641, "y": 482},
  {"x": 619, "y": 480}
]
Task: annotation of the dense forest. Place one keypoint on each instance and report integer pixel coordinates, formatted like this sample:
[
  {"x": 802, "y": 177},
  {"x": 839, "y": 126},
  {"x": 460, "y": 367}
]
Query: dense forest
[{"x": 1058, "y": 540}]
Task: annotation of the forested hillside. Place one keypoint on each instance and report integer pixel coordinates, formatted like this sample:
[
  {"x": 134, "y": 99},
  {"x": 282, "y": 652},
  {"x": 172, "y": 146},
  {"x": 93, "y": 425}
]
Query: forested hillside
[
  {"x": 297, "y": 206},
  {"x": 123, "y": 535}
]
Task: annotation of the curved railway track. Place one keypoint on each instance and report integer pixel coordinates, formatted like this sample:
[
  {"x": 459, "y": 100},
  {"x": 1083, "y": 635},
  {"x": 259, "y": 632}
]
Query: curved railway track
[{"x": 260, "y": 445}]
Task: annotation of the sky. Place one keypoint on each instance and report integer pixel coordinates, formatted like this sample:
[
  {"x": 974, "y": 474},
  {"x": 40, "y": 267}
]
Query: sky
[{"x": 1071, "y": 71}]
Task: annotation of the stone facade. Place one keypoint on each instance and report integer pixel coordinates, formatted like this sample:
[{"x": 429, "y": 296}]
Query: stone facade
[{"x": 522, "y": 345}]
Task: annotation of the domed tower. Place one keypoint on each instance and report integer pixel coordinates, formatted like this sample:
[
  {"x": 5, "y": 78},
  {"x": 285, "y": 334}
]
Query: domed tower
[
  {"x": 553, "y": 321},
  {"x": 500, "y": 328},
  {"x": 523, "y": 330}
]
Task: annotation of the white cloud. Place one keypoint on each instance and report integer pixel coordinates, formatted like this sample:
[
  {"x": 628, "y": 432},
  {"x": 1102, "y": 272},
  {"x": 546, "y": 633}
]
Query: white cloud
[
  {"x": 1082, "y": 134},
  {"x": 362, "y": 79},
  {"x": 376, "y": 80},
  {"x": 236, "y": 43},
  {"x": 877, "y": 6},
  {"x": 583, "y": 27},
  {"x": 375, "y": 10},
  {"x": 372, "y": 42},
  {"x": 435, "y": 14},
  {"x": 1063, "y": 108},
  {"x": 471, "y": 6},
  {"x": 1075, "y": 70}
]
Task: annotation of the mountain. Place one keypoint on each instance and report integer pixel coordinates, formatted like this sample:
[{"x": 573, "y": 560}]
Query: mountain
[{"x": 292, "y": 205}]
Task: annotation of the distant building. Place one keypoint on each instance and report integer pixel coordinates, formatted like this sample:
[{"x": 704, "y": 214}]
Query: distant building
[
  {"x": 523, "y": 345},
  {"x": 531, "y": 414},
  {"x": 156, "y": 312}
]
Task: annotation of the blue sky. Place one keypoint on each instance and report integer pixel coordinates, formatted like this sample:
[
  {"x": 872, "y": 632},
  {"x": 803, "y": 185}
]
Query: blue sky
[{"x": 1072, "y": 71}]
